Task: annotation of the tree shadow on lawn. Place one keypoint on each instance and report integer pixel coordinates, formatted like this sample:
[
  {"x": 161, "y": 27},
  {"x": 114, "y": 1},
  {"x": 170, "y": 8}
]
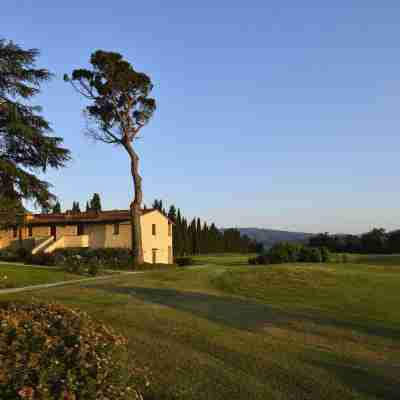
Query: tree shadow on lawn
[
  {"x": 367, "y": 381},
  {"x": 238, "y": 313}
]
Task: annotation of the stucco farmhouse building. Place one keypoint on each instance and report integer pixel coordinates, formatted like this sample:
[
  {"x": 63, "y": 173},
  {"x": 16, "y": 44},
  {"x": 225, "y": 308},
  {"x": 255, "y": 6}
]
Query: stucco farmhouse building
[{"x": 48, "y": 232}]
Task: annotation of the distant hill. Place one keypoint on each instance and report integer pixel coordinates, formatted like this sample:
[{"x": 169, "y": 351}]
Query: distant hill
[{"x": 268, "y": 237}]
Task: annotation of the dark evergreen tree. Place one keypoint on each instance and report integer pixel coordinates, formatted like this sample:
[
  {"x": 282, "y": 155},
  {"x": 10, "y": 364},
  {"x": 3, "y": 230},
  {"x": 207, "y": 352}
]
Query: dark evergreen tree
[
  {"x": 178, "y": 236},
  {"x": 26, "y": 144},
  {"x": 87, "y": 207},
  {"x": 95, "y": 203},
  {"x": 158, "y": 205},
  {"x": 186, "y": 247},
  {"x": 198, "y": 236},
  {"x": 172, "y": 213},
  {"x": 76, "y": 207},
  {"x": 57, "y": 208}
]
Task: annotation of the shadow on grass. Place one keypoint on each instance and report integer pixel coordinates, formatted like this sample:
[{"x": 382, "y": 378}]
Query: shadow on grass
[
  {"x": 366, "y": 381},
  {"x": 238, "y": 313}
]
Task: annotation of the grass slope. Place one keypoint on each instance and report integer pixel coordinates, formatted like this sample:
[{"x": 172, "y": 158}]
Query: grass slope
[
  {"x": 229, "y": 331},
  {"x": 13, "y": 276}
]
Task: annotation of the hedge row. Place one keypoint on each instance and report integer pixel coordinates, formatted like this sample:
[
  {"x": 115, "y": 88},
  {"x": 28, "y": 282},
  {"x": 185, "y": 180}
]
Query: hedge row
[{"x": 291, "y": 252}]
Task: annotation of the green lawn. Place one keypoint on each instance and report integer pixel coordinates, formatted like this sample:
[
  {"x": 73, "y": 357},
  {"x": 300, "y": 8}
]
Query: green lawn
[
  {"x": 13, "y": 276},
  {"x": 230, "y": 331},
  {"x": 231, "y": 260}
]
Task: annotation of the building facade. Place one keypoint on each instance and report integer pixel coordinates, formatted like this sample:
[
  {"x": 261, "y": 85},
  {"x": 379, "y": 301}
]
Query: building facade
[{"x": 112, "y": 229}]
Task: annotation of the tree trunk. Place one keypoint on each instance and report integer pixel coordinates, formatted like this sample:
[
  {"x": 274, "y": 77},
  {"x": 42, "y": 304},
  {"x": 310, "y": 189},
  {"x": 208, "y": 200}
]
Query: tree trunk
[{"x": 137, "y": 247}]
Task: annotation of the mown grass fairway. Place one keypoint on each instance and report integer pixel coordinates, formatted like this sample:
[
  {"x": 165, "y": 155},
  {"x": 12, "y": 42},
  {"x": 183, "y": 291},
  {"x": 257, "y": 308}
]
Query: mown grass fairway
[
  {"x": 13, "y": 276},
  {"x": 239, "y": 332}
]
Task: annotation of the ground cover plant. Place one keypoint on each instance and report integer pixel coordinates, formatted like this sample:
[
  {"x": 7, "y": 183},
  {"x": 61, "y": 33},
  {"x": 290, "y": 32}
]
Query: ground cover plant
[{"x": 228, "y": 330}]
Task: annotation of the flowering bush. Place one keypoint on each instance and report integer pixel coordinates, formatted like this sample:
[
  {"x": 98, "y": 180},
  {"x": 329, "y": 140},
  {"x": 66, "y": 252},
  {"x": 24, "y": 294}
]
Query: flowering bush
[{"x": 50, "y": 352}]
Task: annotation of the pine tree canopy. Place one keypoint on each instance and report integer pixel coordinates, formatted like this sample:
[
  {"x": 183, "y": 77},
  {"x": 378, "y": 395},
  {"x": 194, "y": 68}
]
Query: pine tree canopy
[
  {"x": 121, "y": 105},
  {"x": 26, "y": 144}
]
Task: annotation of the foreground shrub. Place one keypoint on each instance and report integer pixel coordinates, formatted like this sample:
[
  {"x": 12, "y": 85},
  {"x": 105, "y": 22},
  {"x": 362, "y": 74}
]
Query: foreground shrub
[
  {"x": 184, "y": 261},
  {"x": 49, "y": 352}
]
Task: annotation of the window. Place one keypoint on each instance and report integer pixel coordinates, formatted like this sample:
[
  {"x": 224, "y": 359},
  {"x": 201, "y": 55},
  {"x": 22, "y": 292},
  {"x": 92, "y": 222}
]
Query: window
[
  {"x": 15, "y": 231},
  {"x": 116, "y": 229},
  {"x": 153, "y": 229},
  {"x": 30, "y": 231},
  {"x": 169, "y": 229},
  {"x": 154, "y": 251}
]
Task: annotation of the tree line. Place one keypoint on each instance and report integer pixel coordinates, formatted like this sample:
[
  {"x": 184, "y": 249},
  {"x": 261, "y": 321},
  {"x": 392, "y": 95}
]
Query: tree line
[
  {"x": 94, "y": 204},
  {"x": 191, "y": 237},
  {"x": 376, "y": 241}
]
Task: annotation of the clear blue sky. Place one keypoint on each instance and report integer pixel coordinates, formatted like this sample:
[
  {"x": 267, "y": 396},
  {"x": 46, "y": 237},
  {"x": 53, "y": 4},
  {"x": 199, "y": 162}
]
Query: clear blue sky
[{"x": 280, "y": 114}]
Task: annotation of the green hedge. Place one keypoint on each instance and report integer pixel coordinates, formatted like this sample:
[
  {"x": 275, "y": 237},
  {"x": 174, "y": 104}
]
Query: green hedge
[
  {"x": 292, "y": 253},
  {"x": 52, "y": 352}
]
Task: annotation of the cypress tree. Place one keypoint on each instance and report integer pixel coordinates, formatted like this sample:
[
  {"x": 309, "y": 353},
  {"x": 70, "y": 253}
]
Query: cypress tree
[
  {"x": 186, "y": 248},
  {"x": 198, "y": 236},
  {"x": 178, "y": 237},
  {"x": 172, "y": 213},
  {"x": 76, "y": 207},
  {"x": 57, "y": 208},
  {"x": 95, "y": 203}
]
